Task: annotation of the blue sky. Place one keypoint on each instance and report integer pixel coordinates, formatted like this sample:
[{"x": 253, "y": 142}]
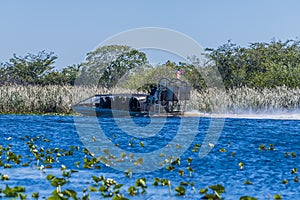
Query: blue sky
[{"x": 72, "y": 28}]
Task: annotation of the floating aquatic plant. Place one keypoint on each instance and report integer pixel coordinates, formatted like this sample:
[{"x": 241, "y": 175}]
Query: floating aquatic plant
[
  {"x": 277, "y": 197},
  {"x": 107, "y": 187},
  {"x": 247, "y": 182},
  {"x": 139, "y": 184},
  {"x": 296, "y": 179},
  {"x": 35, "y": 195},
  {"x": 216, "y": 189},
  {"x": 241, "y": 165},
  {"x": 14, "y": 191},
  {"x": 191, "y": 170},
  {"x": 247, "y": 198},
  {"x": 180, "y": 191},
  {"x": 181, "y": 172},
  {"x": 294, "y": 170},
  {"x": 262, "y": 147}
]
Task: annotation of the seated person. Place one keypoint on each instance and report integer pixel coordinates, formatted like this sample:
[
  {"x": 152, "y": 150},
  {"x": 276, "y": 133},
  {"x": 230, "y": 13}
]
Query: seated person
[{"x": 153, "y": 94}]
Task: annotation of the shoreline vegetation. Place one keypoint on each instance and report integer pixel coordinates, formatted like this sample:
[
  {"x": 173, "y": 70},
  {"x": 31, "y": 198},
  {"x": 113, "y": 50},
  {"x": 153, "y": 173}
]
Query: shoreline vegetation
[
  {"x": 262, "y": 77},
  {"x": 17, "y": 99}
]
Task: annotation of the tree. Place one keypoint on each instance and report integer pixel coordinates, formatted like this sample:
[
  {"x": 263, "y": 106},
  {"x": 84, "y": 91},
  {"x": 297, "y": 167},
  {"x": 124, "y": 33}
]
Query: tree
[
  {"x": 66, "y": 76},
  {"x": 106, "y": 65},
  {"x": 30, "y": 69},
  {"x": 223, "y": 58},
  {"x": 260, "y": 65},
  {"x": 193, "y": 75},
  {"x": 2, "y": 73}
]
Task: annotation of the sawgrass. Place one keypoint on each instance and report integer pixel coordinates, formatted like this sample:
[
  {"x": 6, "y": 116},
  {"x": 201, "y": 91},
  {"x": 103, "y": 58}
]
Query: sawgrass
[
  {"x": 240, "y": 100},
  {"x": 59, "y": 99}
]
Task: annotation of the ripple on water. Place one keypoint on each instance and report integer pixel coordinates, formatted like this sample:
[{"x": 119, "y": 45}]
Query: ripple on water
[{"x": 265, "y": 169}]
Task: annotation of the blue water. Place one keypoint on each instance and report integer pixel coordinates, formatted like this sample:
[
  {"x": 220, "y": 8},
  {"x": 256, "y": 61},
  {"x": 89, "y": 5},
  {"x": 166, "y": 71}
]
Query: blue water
[{"x": 265, "y": 169}]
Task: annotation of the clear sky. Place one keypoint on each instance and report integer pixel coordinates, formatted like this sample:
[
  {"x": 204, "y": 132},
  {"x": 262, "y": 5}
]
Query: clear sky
[{"x": 72, "y": 28}]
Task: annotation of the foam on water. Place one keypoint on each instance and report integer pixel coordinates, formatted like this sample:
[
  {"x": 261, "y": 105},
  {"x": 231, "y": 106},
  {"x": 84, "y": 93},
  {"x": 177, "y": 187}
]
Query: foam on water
[
  {"x": 261, "y": 116},
  {"x": 287, "y": 115}
]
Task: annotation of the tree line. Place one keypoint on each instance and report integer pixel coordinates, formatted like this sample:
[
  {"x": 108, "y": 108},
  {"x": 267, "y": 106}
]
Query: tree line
[
  {"x": 259, "y": 65},
  {"x": 36, "y": 69}
]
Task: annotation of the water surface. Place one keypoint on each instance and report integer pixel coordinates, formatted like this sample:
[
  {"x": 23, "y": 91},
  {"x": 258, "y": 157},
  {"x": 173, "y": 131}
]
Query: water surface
[{"x": 265, "y": 169}]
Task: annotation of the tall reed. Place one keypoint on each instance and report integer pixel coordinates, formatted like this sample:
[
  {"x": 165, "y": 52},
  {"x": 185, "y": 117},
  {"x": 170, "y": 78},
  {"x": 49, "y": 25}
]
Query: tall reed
[
  {"x": 239, "y": 100},
  {"x": 42, "y": 99},
  {"x": 59, "y": 99}
]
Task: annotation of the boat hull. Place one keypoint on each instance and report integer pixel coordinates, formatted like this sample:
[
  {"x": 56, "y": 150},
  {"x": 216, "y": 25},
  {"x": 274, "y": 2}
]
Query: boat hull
[
  {"x": 98, "y": 112},
  {"x": 102, "y": 112}
]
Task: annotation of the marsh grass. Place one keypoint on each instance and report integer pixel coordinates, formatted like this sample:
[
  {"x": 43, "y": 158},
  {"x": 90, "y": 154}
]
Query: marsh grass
[
  {"x": 59, "y": 99},
  {"x": 241, "y": 100},
  {"x": 40, "y": 99},
  {"x": 276, "y": 99}
]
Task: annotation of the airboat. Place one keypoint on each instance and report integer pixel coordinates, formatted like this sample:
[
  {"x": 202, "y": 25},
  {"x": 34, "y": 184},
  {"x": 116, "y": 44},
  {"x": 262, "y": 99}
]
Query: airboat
[{"x": 169, "y": 97}]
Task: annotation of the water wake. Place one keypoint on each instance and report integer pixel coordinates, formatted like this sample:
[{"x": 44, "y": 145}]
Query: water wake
[{"x": 282, "y": 115}]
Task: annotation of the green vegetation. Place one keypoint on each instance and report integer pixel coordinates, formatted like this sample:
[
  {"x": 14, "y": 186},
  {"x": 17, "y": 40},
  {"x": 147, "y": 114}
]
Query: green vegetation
[
  {"x": 106, "y": 65},
  {"x": 36, "y": 69},
  {"x": 261, "y": 65},
  {"x": 261, "y": 77},
  {"x": 58, "y": 99}
]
